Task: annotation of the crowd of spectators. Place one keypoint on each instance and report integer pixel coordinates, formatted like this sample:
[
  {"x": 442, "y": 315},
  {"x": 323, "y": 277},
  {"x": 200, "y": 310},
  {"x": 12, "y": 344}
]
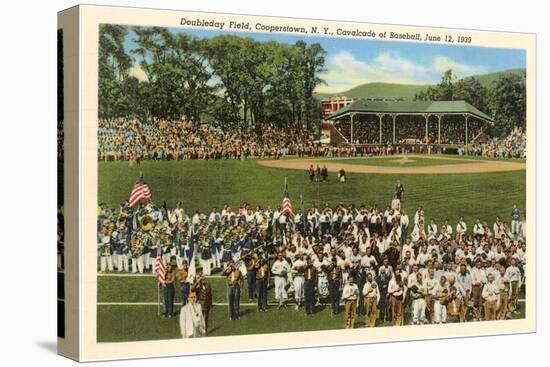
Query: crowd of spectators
[
  {"x": 133, "y": 140},
  {"x": 513, "y": 145}
]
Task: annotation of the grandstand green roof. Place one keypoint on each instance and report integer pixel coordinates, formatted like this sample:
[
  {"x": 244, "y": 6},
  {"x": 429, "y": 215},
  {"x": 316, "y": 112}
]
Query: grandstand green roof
[{"x": 417, "y": 107}]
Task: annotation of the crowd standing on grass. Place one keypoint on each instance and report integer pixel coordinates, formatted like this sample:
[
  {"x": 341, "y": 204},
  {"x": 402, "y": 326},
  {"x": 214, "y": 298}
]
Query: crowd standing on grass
[{"x": 378, "y": 263}]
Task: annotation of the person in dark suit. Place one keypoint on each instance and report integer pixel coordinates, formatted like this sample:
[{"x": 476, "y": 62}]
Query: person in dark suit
[
  {"x": 310, "y": 276},
  {"x": 334, "y": 273},
  {"x": 383, "y": 281},
  {"x": 399, "y": 190}
]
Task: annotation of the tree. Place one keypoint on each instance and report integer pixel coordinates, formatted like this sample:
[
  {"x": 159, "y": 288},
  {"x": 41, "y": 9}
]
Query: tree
[
  {"x": 508, "y": 101},
  {"x": 471, "y": 91},
  {"x": 444, "y": 91}
]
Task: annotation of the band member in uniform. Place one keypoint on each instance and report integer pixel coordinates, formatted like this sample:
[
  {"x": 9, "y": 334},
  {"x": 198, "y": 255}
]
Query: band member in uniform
[
  {"x": 490, "y": 296},
  {"x": 372, "y": 297},
  {"x": 350, "y": 294},
  {"x": 234, "y": 281},
  {"x": 310, "y": 279},
  {"x": 192, "y": 323},
  {"x": 204, "y": 297},
  {"x": 168, "y": 291}
]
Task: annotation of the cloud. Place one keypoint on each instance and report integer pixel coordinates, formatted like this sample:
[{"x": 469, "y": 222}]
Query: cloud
[
  {"x": 443, "y": 63},
  {"x": 345, "y": 71}
]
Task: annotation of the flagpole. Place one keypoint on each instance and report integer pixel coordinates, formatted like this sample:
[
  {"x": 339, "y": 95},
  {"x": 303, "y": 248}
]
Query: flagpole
[{"x": 158, "y": 298}]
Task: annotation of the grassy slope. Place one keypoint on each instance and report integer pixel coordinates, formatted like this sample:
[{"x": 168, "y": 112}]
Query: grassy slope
[
  {"x": 406, "y": 91},
  {"x": 203, "y": 184}
]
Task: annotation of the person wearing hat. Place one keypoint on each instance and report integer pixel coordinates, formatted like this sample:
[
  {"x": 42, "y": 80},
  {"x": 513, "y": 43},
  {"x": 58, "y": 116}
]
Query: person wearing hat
[
  {"x": 371, "y": 294},
  {"x": 350, "y": 294},
  {"x": 121, "y": 248},
  {"x": 105, "y": 250}
]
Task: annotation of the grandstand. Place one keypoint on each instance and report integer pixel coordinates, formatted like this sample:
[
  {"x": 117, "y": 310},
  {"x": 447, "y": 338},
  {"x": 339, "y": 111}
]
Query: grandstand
[{"x": 378, "y": 122}]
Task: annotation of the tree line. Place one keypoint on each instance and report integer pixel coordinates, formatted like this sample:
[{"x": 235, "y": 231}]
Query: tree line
[
  {"x": 504, "y": 100},
  {"x": 226, "y": 80}
]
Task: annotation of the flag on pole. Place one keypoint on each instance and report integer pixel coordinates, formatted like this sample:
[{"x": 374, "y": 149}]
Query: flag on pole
[
  {"x": 159, "y": 266},
  {"x": 286, "y": 207},
  {"x": 139, "y": 192}
]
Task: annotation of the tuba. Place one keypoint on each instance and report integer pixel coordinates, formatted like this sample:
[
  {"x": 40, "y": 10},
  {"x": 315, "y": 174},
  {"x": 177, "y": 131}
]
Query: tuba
[{"x": 146, "y": 223}]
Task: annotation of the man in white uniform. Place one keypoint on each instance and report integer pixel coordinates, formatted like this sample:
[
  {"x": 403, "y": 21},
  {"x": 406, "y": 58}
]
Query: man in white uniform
[{"x": 280, "y": 269}]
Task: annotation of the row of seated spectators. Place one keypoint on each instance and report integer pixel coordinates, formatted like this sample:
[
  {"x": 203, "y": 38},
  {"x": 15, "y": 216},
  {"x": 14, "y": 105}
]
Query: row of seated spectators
[
  {"x": 412, "y": 129},
  {"x": 134, "y": 140}
]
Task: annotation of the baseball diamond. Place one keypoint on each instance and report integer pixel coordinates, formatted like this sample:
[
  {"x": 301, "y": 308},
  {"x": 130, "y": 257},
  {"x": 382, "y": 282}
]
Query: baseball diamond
[{"x": 238, "y": 200}]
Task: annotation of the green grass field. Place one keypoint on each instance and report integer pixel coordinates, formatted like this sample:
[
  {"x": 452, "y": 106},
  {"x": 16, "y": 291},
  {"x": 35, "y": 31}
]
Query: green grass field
[
  {"x": 203, "y": 184},
  {"x": 132, "y": 322},
  {"x": 413, "y": 161}
]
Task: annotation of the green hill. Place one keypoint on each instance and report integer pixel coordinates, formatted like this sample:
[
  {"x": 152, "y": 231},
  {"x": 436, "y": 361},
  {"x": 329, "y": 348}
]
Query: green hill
[
  {"x": 380, "y": 90},
  {"x": 407, "y": 91},
  {"x": 487, "y": 79}
]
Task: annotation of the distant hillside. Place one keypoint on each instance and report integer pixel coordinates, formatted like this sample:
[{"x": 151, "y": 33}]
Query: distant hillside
[
  {"x": 380, "y": 90},
  {"x": 487, "y": 79},
  {"x": 407, "y": 91}
]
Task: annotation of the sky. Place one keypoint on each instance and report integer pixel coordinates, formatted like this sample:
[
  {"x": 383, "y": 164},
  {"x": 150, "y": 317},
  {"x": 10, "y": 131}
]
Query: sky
[{"x": 351, "y": 62}]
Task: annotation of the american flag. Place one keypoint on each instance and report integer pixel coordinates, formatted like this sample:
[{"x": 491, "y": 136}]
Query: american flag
[
  {"x": 159, "y": 266},
  {"x": 139, "y": 192},
  {"x": 286, "y": 207}
]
